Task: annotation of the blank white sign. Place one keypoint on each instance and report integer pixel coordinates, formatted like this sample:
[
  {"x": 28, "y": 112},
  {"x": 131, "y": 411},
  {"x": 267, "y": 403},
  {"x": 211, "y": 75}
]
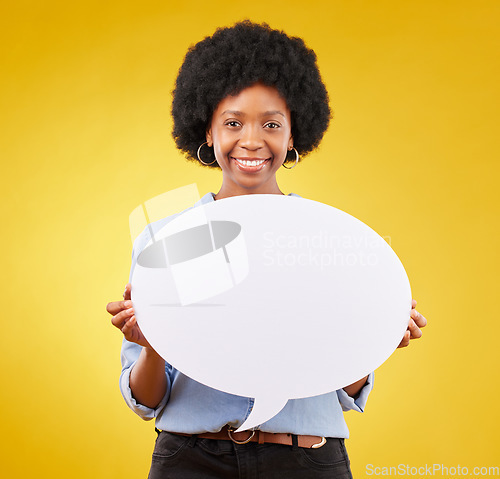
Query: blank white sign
[{"x": 271, "y": 297}]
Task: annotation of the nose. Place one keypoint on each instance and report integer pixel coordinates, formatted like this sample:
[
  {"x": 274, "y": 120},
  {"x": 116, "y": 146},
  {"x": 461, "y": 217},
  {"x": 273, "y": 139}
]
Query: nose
[{"x": 251, "y": 137}]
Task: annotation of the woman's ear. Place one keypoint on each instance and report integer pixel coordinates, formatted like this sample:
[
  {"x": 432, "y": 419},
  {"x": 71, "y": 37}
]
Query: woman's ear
[
  {"x": 209, "y": 137},
  {"x": 290, "y": 143}
]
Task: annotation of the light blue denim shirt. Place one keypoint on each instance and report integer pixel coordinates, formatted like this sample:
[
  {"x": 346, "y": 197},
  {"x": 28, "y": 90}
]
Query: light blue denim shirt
[{"x": 193, "y": 408}]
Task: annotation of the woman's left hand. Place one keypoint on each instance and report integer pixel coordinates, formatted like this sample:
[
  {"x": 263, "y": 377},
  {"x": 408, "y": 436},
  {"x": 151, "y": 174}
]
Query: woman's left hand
[{"x": 417, "y": 321}]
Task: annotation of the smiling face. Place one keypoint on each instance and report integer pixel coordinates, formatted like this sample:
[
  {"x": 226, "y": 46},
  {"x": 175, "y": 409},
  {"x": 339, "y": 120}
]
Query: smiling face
[{"x": 251, "y": 133}]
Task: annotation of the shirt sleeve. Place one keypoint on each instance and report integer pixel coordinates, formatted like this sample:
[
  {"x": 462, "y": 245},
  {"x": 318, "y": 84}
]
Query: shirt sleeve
[
  {"x": 129, "y": 355},
  {"x": 347, "y": 402}
]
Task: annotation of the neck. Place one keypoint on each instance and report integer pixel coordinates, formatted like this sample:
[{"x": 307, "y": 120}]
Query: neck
[{"x": 226, "y": 191}]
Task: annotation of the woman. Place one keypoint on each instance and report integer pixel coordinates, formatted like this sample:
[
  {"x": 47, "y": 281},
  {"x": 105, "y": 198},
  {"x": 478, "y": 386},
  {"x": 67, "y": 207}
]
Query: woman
[{"x": 248, "y": 100}]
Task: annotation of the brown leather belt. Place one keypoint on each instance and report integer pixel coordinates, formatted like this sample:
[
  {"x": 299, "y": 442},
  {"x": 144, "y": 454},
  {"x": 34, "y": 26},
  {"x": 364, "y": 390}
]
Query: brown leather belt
[{"x": 228, "y": 433}]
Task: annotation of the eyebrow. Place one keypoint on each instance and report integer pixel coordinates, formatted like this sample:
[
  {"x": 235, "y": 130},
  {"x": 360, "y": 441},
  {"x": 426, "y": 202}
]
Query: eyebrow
[{"x": 266, "y": 113}]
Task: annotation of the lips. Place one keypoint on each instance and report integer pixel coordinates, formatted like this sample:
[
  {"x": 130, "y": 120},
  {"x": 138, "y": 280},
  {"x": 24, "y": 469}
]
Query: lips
[{"x": 250, "y": 164}]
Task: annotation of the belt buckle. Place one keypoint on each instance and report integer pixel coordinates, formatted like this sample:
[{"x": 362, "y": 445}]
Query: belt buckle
[
  {"x": 230, "y": 430},
  {"x": 319, "y": 444}
]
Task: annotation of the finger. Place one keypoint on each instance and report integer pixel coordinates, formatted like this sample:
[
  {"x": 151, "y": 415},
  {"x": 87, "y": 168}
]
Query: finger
[
  {"x": 116, "y": 306},
  {"x": 418, "y": 318},
  {"x": 413, "y": 303},
  {"x": 128, "y": 291},
  {"x": 405, "y": 341},
  {"x": 132, "y": 332},
  {"x": 121, "y": 318},
  {"x": 415, "y": 332},
  {"x": 128, "y": 331}
]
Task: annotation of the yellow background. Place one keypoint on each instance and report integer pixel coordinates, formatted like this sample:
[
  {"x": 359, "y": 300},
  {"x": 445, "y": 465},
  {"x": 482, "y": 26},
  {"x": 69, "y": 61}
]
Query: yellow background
[{"x": 85, "y": 138}]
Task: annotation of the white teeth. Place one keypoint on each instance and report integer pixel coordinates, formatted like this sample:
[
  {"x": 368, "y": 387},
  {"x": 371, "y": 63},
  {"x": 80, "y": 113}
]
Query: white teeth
[{"x": 250, "y": 163}]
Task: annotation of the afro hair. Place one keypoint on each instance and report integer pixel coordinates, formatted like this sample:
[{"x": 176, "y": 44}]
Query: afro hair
[{"x": 237, "y": 57}]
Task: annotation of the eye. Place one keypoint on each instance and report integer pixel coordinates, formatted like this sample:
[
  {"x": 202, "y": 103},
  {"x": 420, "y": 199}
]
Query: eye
[
  {"x": 272, "y": 125},
  {"x": 232, "y": 123}
]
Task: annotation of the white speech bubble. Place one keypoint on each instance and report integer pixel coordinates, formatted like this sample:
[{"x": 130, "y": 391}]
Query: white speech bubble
[{"x": 295, "y": 299}]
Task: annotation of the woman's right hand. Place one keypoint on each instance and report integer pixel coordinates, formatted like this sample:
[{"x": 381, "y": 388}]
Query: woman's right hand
[
  {"x": 124, "y": 319},
  {"x": 148, "y": 380}
]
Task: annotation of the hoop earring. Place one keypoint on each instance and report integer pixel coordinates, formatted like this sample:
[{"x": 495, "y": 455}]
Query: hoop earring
[
  {"x": 296, "y": 159},
  {"x": 198, "y": 155}
]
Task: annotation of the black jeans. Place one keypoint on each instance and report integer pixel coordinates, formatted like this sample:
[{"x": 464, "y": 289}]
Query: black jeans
[{"x": 184, "y": 457}]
